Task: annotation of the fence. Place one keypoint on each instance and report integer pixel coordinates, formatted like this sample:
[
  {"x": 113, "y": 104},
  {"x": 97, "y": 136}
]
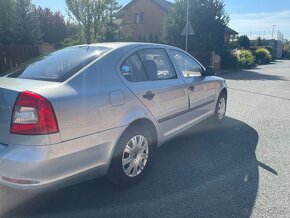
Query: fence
[
  {"x": 14, "y": 55},
  {"x": 208, "y": 58}
]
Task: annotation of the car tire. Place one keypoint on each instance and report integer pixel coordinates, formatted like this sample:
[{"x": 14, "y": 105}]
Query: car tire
[
  {"x": 131, "y": 157},
  {"x": 220, "y": 109}
]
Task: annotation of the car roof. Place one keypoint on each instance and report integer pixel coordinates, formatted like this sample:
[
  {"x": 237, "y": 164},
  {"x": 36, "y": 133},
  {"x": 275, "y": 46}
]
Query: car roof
[{"x": 116, "y": 45}]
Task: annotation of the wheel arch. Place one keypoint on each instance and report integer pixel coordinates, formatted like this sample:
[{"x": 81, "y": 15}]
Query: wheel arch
[
  {"x": 225, "y": 92},
  {"x": 144, "y": 123},
  {"x": 148, "y": 125}
]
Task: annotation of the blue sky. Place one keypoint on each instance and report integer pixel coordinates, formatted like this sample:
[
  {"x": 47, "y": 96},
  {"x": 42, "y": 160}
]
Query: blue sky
[{"x": 251, "y": 17}]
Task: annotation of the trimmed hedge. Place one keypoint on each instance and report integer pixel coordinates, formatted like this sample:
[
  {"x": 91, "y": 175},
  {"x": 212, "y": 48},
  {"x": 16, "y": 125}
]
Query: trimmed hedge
[{"x": 246, "y": 59}]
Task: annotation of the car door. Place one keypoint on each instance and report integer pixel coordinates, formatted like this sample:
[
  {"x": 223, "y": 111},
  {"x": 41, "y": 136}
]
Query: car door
[
  {"x": 150, "y": 75},
  {"x": 201, "y": 89}
]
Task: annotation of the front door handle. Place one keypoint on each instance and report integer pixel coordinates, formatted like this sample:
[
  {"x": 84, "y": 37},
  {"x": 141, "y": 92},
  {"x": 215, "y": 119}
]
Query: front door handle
[
  {"x": 191, "y": 88},
  {"x": 149, "y": 95}
]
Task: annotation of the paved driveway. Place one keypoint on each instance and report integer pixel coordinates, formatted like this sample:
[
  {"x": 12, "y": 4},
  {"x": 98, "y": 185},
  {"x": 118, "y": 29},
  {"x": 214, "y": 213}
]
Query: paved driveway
[{"x": 238, "y": 169}]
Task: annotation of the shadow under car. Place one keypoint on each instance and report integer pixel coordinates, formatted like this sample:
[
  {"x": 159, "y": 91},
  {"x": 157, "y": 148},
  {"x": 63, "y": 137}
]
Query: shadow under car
[{"x": 207, "y": 171}]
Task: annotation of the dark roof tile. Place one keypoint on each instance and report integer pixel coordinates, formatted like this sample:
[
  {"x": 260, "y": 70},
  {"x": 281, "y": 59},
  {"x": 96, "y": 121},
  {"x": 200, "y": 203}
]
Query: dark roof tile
[
  {"x": 165, "y": 5},
  {"x": 230, "y": 31}
]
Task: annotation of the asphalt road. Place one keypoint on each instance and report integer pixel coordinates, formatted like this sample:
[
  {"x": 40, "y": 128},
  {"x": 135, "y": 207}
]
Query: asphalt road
[{"x": 238, "y": 169}]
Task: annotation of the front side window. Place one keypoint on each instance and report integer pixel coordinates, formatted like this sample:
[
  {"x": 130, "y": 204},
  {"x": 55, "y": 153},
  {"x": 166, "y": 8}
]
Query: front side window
[
  {"x": 187, "y": 65},
  {"x": 157, "y": 64}
]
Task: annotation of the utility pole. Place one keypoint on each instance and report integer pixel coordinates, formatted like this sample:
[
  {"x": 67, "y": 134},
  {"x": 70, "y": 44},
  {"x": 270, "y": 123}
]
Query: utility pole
[
  {"x": 187, "y": 21},
  {"x": 264, "y": 34},
  {"x": 273, "y": 31},
  {"x": 188, "y": 29}
]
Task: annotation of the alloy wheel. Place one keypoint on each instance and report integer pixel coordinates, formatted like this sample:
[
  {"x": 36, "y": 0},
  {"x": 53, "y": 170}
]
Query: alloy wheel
[
  {"x": 221, "y": 108},
  {"x": 135, "y": 156}
]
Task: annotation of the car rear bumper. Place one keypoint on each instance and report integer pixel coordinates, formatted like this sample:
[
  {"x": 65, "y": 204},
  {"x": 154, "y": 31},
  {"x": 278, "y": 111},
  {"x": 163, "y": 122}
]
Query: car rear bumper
[{"x": 54, "y": 166}]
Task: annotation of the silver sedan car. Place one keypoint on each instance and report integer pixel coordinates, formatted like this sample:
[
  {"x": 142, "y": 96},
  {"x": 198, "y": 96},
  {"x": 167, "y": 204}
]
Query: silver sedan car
[{"x": 94, "y": 110}]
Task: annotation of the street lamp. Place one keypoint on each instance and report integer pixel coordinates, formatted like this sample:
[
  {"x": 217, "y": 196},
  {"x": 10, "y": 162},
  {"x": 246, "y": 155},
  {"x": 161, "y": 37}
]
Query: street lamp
[{"x": 273, "y": 31}]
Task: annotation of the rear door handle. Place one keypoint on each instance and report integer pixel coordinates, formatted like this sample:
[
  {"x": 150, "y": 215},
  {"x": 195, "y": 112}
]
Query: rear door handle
[
  {"x": 149, "y": 95},
  {"x": 191, "y": 88}
]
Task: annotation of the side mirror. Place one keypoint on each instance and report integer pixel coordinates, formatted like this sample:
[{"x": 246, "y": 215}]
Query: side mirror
[{"x": 210, "y": 71}]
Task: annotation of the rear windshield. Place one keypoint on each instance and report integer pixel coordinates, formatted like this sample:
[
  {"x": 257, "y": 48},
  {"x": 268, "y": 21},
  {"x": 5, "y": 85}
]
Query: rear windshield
[{"x": 59, "y": 65}]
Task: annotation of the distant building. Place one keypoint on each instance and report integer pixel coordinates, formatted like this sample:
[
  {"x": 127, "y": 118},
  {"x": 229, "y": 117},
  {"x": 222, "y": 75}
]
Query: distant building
[
  {"x": 144, "y": 19},
  {"x": 277, "y": 48},
  {"x": 230, "y": 34}
]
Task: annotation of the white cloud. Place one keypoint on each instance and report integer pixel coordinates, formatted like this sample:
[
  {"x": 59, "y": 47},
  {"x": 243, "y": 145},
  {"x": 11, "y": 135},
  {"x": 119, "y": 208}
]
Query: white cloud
[{"x": 261, "y": 24}]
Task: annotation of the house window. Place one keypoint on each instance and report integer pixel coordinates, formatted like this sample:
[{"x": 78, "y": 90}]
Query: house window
[{"x": 139, "y": 18}]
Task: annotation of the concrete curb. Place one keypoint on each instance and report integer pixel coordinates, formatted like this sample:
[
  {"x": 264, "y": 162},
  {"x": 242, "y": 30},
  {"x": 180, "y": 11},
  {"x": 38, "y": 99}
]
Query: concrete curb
[{"x": 221, "y": 72}]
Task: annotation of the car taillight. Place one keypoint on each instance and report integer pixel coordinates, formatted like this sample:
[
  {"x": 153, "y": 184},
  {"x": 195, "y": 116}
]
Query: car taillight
[{"x": 33, "y": 115}]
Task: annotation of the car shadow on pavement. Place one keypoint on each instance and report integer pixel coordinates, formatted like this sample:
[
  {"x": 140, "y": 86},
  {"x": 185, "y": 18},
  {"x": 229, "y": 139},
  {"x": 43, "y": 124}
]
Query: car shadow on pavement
[
  {"x": 252, "y": 75},
  {"x": 209, "y": 171}
]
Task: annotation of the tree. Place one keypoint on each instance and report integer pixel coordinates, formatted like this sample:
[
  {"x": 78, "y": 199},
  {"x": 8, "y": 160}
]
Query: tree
[
  {"x": 208, "y": 18},
  {"x": 98, "y": 19},
  {"x": 244, "y": 42},
  {"x": 73, "y": 34},
  {"x": 286, "y": 44},
  {"x": 113, "y": 31},
  {"x": 286, "y": 49},
  {"x": 22, "y": 23},
  {"x": 6, "y": 21},
  {"x": 90, "y": 16},
  {"x": 259, "y": 41},
  {"x": 52, "y": 25},
  {"x": 26, "y": 23}
]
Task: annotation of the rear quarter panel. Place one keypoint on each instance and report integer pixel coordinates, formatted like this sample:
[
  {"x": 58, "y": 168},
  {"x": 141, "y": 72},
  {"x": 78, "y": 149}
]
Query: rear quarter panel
[{"x": 90, "y": 102}]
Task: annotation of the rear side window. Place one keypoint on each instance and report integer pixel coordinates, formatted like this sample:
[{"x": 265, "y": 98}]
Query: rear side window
[
  {"x": 132, "y": 69},
  {"x": 157, "y": 64},
  {"x": 148, "y": 65},
  {"x": 59, "y": 65}
]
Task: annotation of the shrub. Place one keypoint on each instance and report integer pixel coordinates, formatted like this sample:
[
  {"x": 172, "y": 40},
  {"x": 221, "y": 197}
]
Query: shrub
[
  {"x": 263, "y": 56},
  {"x": 269, "y": 48},
  {"x": 229, "y": 60},
  {"x": 246, "y": 59}
]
